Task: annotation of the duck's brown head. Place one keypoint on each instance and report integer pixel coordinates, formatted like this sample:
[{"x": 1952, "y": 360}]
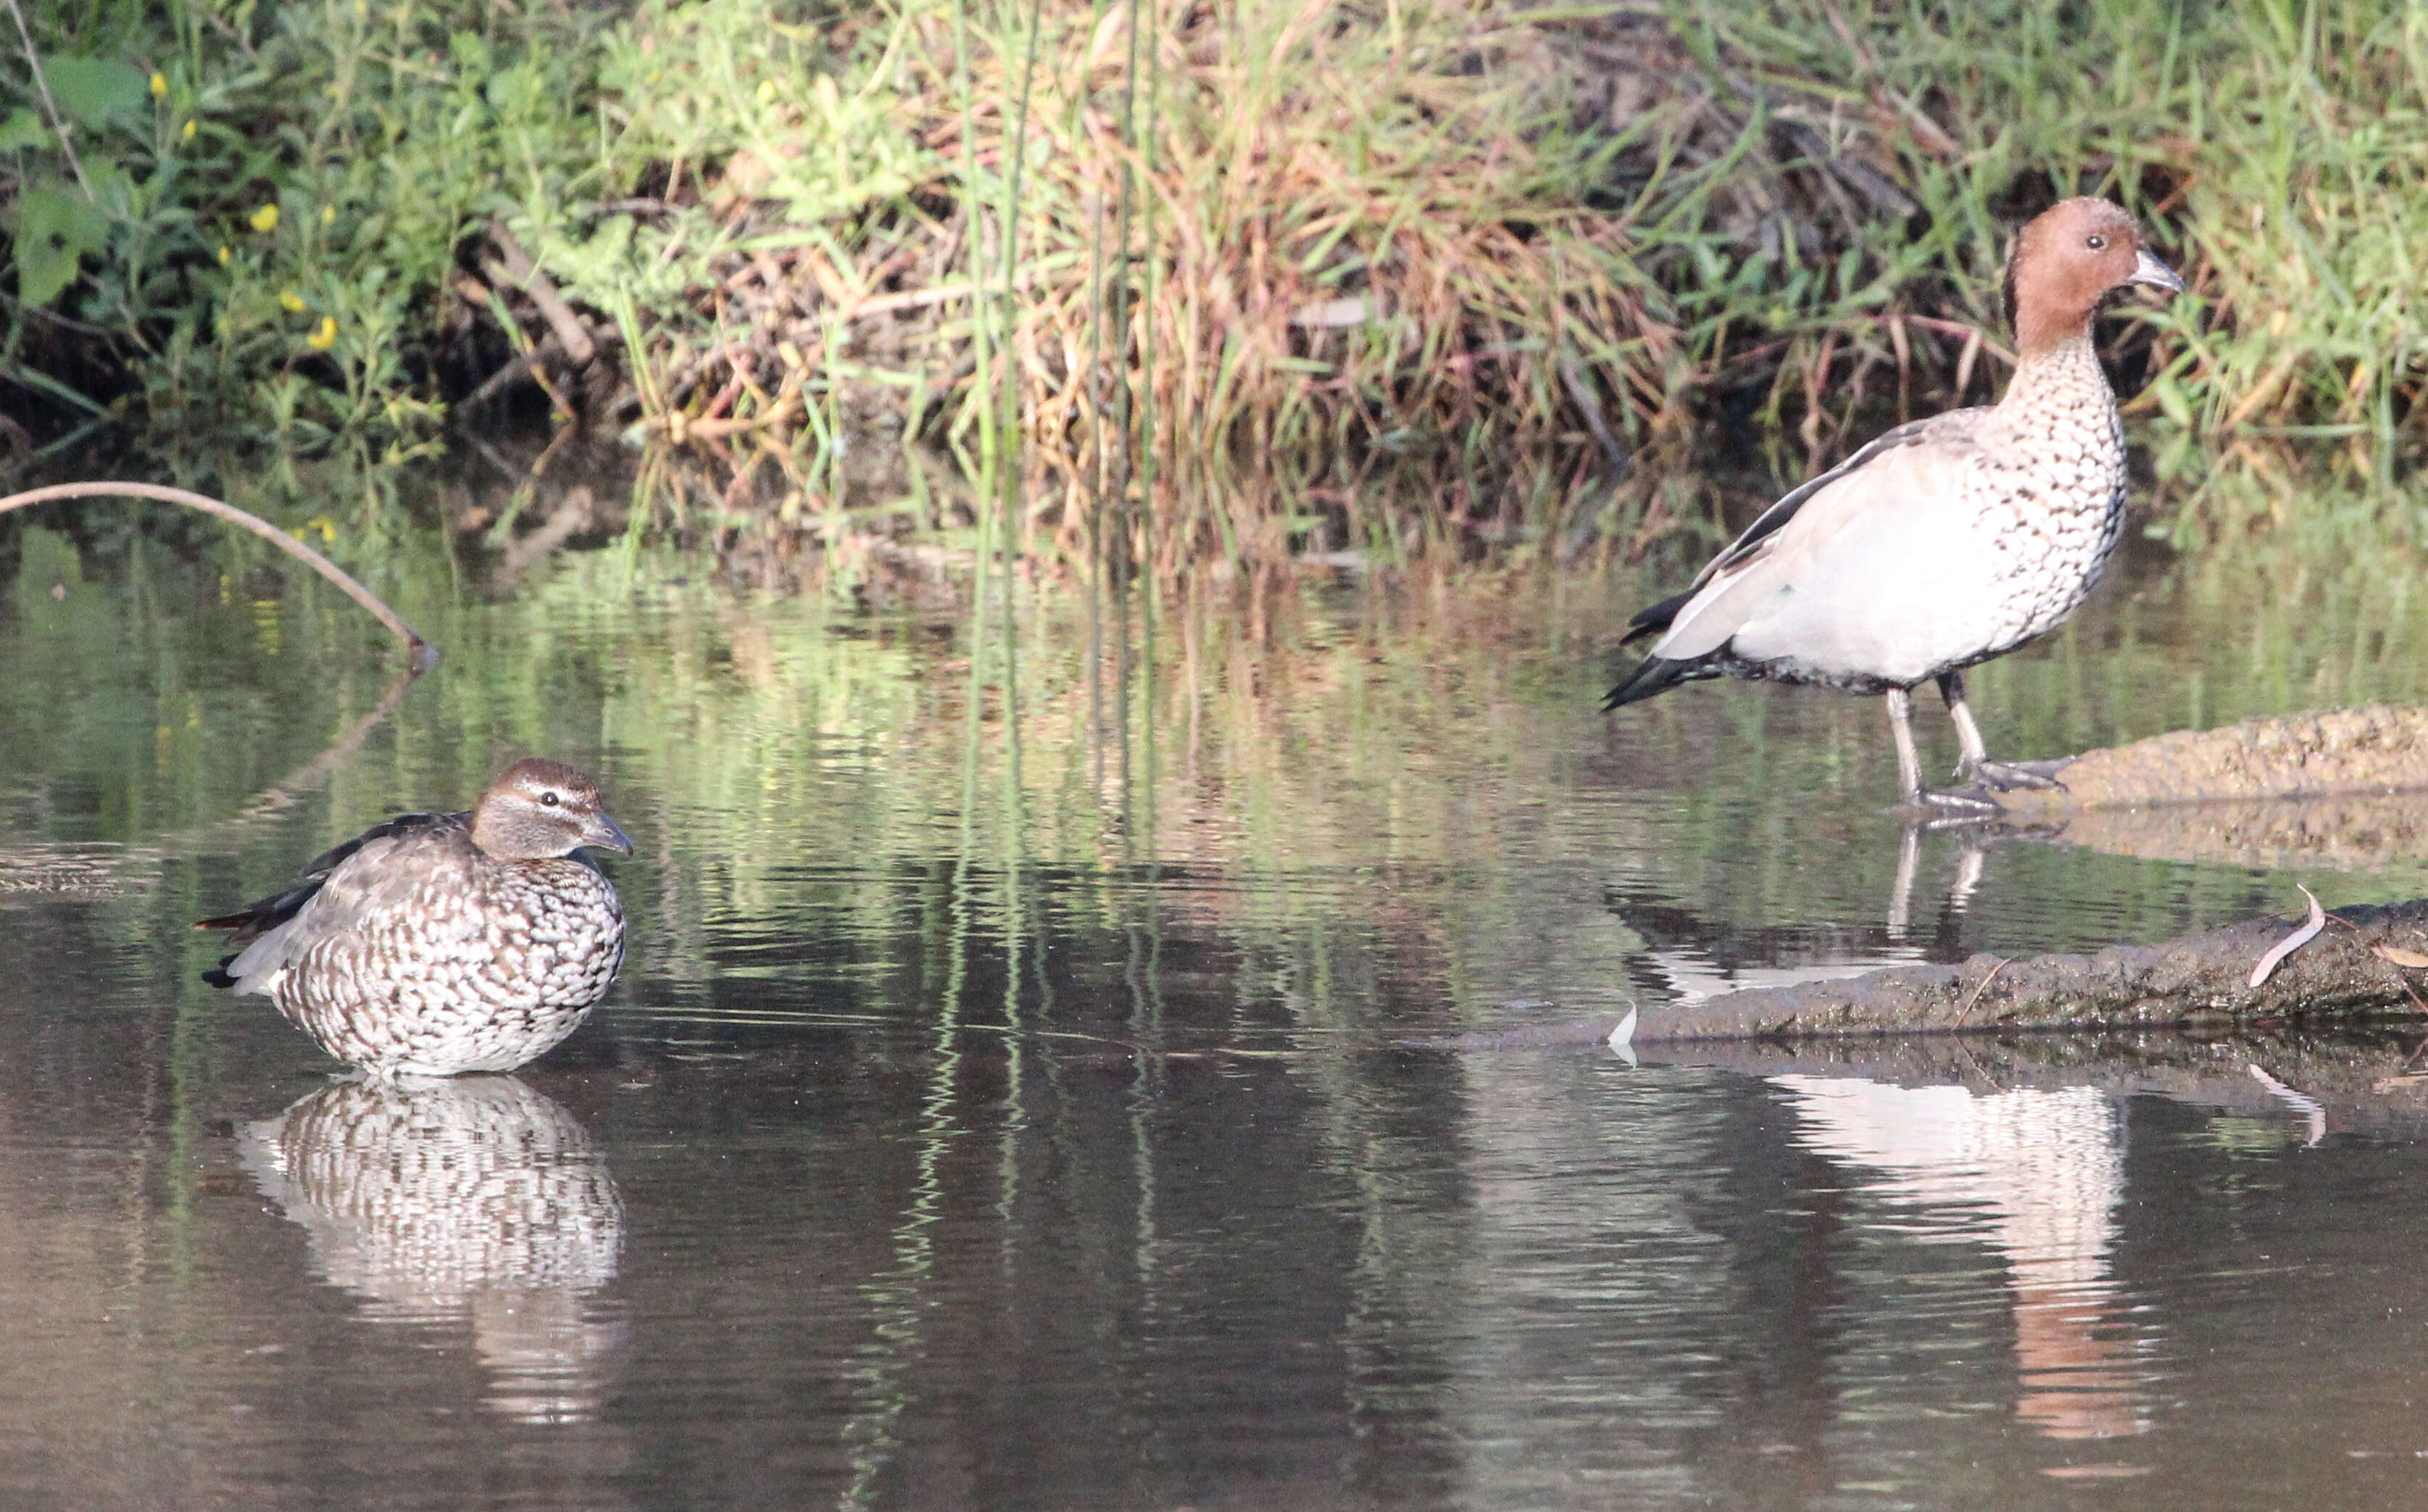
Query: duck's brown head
[
  {"x": 2071, "y": 256},
  {"x": 537, "y": 809}
]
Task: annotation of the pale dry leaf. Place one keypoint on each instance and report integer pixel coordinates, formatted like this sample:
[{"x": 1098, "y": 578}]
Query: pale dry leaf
[
  {"x": 2307, "y": 933},
  {"x": 2412, "y": 959}
]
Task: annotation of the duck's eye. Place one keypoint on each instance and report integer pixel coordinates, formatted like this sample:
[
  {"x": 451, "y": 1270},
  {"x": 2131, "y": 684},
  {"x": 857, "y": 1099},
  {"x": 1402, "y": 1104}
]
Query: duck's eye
[
  {"x": 2096, "y": 242},
  {"x": 547, "y": 800}
]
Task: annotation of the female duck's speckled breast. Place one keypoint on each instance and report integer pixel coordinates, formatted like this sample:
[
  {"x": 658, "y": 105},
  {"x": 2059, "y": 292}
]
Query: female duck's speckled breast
[{"x": 487, "y": 964}]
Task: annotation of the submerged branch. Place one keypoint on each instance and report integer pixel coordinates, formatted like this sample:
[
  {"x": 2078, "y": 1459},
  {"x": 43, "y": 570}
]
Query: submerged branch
[
  {"x": 421, "y": 654},
  {"x": 281, "y": 795},
  {"x": 2198, "y": 981}
]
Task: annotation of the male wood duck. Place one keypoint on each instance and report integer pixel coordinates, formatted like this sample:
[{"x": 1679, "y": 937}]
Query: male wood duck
[
  {"x": 1942, "y": 543},
  {"x": 437, "y": 943}
]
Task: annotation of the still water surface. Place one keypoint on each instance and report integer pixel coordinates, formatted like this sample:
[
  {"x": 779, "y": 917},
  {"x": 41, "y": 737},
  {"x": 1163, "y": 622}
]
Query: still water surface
[{"x": 1006, "y": 1101}]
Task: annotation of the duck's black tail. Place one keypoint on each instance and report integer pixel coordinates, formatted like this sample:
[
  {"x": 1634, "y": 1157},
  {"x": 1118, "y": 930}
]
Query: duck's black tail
[{"x": 1658, "y": 674}]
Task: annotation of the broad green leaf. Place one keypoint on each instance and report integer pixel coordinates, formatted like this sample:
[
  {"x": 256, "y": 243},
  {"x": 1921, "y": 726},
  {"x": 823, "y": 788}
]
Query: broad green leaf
[
  {"x": 23, "y": 130},
  {"x": 54, "y": 230},
  {"x": 114, "y": 191},
  {"x": 96, "y": 91}
]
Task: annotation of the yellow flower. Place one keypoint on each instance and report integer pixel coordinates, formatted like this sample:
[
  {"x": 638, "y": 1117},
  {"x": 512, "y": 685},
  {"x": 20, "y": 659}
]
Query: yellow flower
[
  {"x": 326, "y": 337},
  {"x": 187, "y": 135},
  {"x": 159, "y": 85},
  {"x": 266, "y": 218},
  {"x": 224, "y": 255},
  {"x": 291, "y": 300},
  {"x": 328, "y": 214},
  {"x": 766, "y": 92}
]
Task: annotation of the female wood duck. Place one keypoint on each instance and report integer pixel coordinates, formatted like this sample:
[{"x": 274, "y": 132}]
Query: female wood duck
[{"x": 437, "y": 943}]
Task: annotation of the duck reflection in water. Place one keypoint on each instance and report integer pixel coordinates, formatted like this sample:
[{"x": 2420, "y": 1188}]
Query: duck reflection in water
[
  {"x": 2042, "y": 1171},
  {"x": 473, "y": 1199},
  {"x": 2037, "y": 1172}
]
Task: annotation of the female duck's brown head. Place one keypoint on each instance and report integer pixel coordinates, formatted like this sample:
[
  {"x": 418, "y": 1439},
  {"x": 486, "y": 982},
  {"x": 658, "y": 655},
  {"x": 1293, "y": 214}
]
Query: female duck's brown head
[
  {"x": 539, "y": 809},
  {"x": 2071, "y": 256}
]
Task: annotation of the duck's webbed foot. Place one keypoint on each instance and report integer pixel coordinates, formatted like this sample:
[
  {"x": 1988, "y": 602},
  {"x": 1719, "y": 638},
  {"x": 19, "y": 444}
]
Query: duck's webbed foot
[
  {"x": 1956, "y": 803},
  {"x": 1976, "y": 767},
  {"x": 2006, "y": 777}
]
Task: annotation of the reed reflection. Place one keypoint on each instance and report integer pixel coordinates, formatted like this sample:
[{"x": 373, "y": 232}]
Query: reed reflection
[
  {"x": 2039, "y": 1173},
  {"x": 473, "y": 1199}
]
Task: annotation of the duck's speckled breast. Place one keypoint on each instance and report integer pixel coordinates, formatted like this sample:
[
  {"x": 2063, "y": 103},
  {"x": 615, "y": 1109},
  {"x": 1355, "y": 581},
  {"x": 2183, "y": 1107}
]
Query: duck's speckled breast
[
  {"x": 447, "y": 961},
  {"x": 2053, "y": 496}
]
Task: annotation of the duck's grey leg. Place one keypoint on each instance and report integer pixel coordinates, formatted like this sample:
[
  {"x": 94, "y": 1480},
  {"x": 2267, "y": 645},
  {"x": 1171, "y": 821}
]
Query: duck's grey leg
[
  {"x": 1968, "y": 734},
  {"x": 1975, "y": 763},
  {"x": 1909, "y": 767},
  {"x": 1909, "y": 764}
]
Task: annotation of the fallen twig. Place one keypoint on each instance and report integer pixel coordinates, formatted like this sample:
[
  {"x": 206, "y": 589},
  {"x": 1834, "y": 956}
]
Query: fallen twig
[{"x": 1984, "y": 986}]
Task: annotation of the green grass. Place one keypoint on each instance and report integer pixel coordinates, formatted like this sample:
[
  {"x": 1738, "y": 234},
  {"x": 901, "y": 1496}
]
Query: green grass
[{"x": 1219, "y": 283}]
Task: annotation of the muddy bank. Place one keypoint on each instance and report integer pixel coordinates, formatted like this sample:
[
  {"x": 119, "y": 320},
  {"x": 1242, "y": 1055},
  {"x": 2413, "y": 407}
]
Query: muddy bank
[
  {"x": 2373, "y": 749},
  {"x": 2342, "y": 789},
  {"x": 2361, "y": 832}
]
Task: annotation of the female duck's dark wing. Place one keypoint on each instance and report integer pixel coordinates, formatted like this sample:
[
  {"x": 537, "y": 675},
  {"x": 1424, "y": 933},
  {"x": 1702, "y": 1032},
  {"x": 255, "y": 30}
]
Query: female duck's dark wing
[{"x": 258, "y": 919}]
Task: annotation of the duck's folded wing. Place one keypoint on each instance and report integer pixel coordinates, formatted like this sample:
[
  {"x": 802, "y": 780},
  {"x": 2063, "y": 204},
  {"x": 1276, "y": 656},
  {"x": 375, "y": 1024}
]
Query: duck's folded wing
[
  {"x": 266, "y": 913},
  {"x": 1839, "y": 538},
  {"x": 1953, "y": 428},
  {"x": 267, "y": 927}
]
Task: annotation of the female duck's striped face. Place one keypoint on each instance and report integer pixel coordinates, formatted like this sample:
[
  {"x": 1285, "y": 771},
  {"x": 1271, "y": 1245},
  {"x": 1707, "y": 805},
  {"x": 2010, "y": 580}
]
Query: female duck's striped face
[{"x": 539, "y": 809}]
